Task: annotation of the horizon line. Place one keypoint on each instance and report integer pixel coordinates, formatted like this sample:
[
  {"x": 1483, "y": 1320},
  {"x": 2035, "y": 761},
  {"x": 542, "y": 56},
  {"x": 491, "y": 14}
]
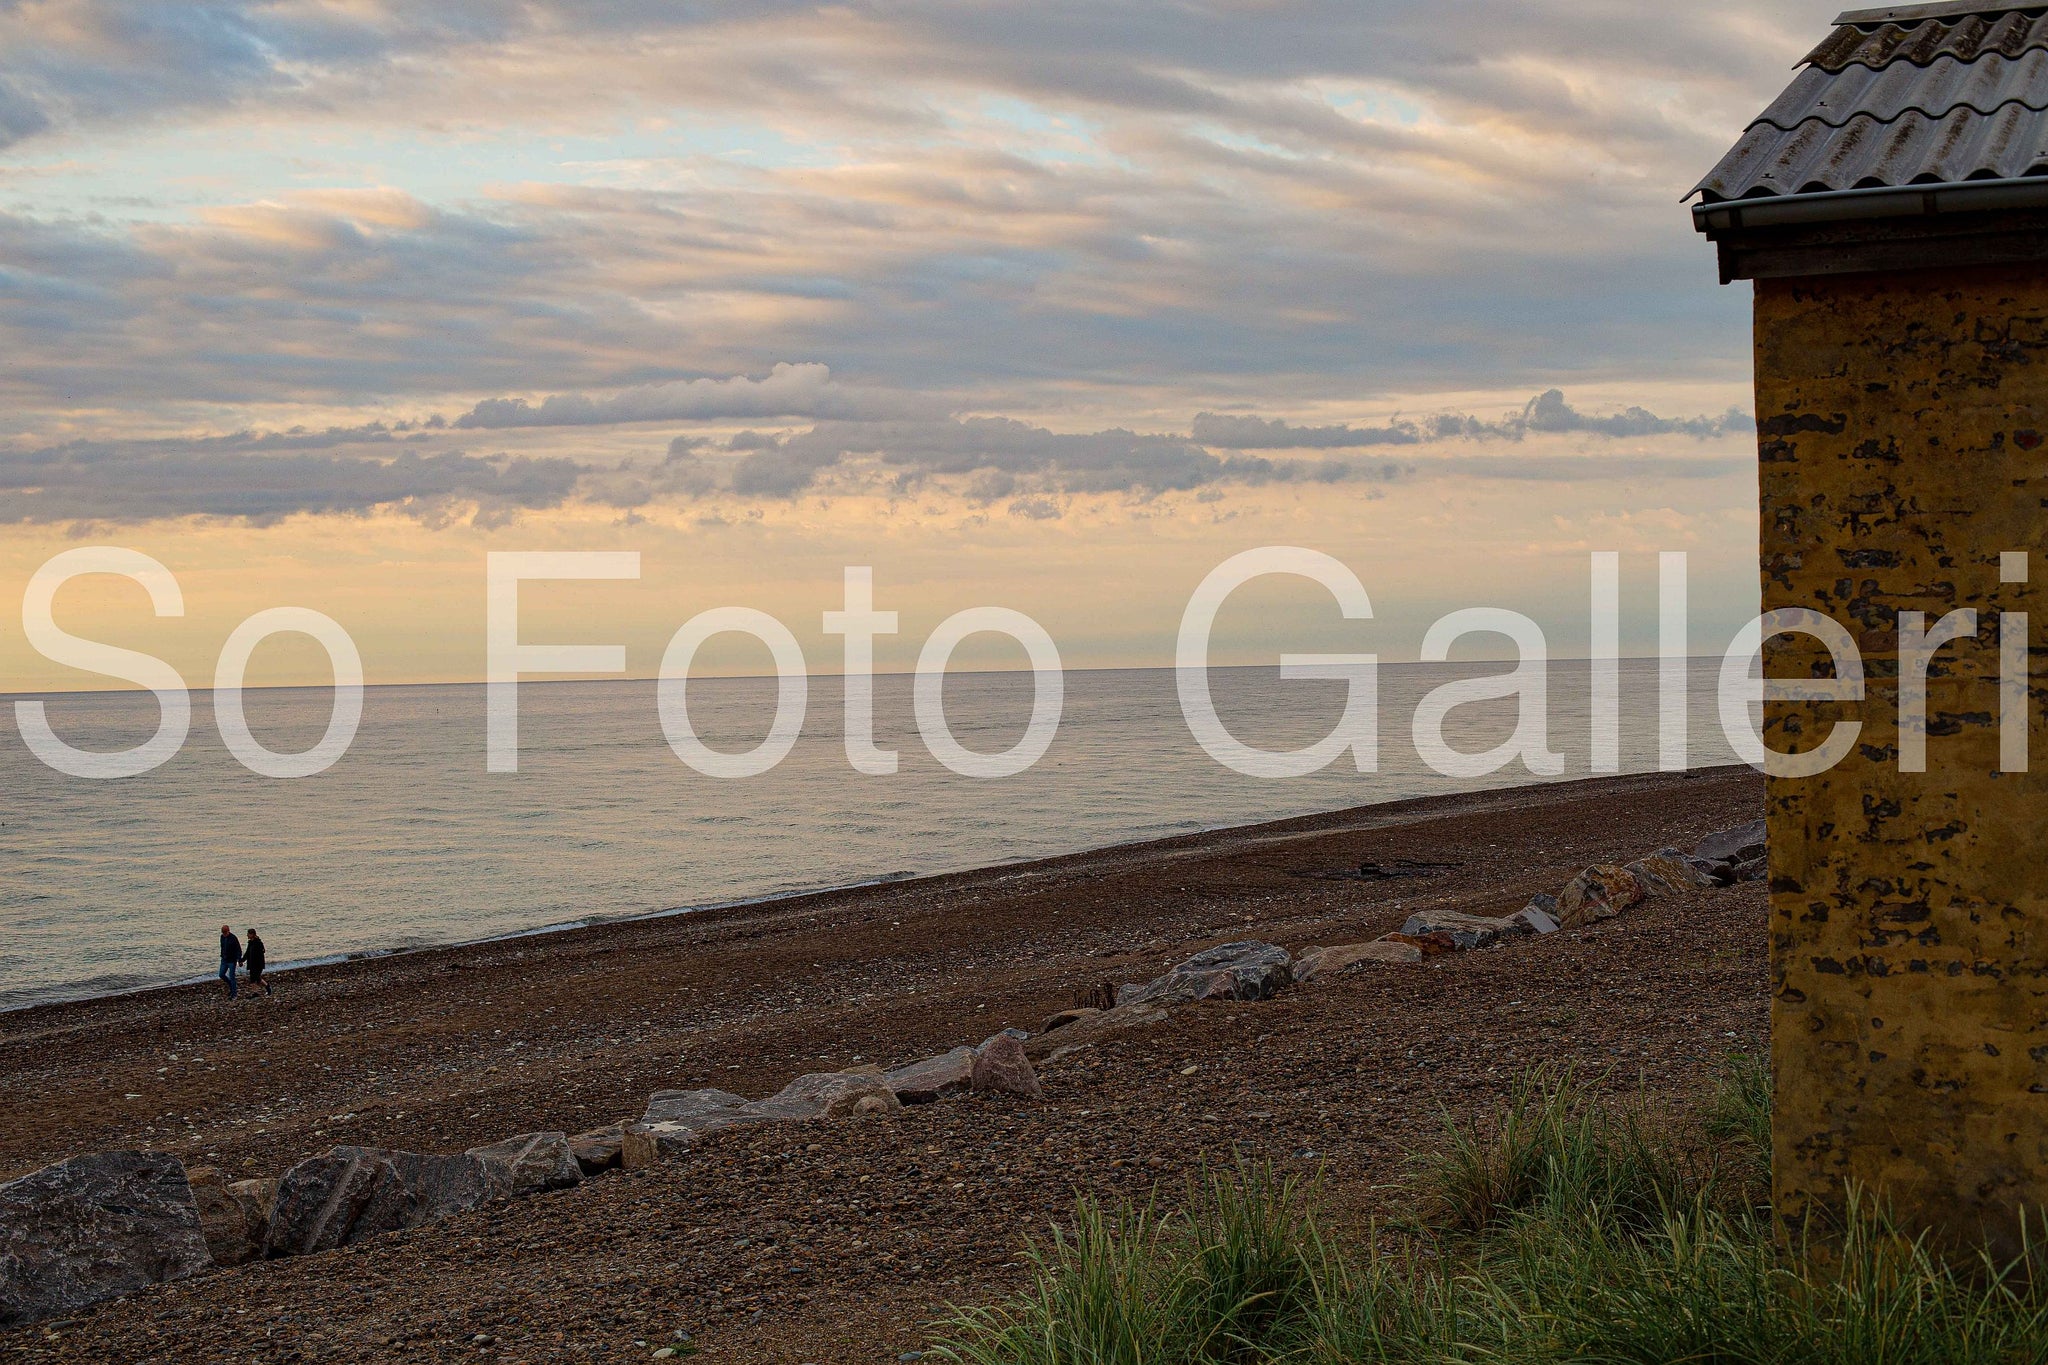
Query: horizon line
[{"x": 549, "y": 681}]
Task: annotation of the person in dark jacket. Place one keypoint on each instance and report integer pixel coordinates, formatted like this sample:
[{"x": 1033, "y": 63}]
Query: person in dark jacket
[
  {"x": 230, "y": 957},
  {"x": 252, "y": 962}
]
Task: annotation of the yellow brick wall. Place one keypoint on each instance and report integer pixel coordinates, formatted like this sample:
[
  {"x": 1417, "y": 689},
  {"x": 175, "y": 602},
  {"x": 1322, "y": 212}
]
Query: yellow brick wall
[{"x": 1903, "y": 445}]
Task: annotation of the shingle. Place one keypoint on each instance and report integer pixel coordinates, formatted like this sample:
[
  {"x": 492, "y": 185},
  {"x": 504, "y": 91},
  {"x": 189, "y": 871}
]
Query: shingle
[{"x": 1919, "y": 101}]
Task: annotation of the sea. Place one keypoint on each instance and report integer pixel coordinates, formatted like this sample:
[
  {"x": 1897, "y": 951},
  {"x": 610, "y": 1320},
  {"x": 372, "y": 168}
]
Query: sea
[{"x": 409, "y": 842}]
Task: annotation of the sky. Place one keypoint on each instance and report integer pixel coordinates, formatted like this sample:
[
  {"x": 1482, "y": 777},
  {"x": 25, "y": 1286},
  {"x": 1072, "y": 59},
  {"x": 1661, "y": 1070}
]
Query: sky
[{"x": 1052, "y": 306}]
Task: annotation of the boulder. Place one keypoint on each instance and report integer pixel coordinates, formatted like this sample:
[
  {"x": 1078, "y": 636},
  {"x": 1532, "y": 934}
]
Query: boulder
[
  {"x": 598, "y": 1150},
  {"x": 949, "y": 1073},
  {"x": 1073, "y": 1016},
  {"x": 258, "y": 1197},
  {"x": 830, "y": 1095},
  {"x": 642, "y": 1145},
  {"x": 351, "y": 1194},
  {"x": 1600, "y": 892},
  {"x": 233, "y": 1220},
  {"x": 705, "y": 1110},
  {"x": 1535, "y": 920},
  {"x": 1668, "y": 872},
  {"x": 93, "y": 1228},
  {"x": 1429, "y": 945},
  {"x": 1001, "y": 1066},
  {"x": 320, "y": 1200},
  {"x": 1466, "y": 931},
  {"x": 1330, "y": 961},
  {"x": 413, "y": 1188},
  {"x": 1738, "y": 845},
  {"x": 1233, "y": 971},
  {"x": 1087, "y": 1032},
  {"x": 530, "y": 1162},
  {"x": 1543, "y": 901},
  {"x": 675, "y": 1119}
]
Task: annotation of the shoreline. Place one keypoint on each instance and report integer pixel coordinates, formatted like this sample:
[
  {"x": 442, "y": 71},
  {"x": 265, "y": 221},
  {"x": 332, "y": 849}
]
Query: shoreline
[
  {"x": 599, "y": 921},
  {"x": 819, "y": 1242}
]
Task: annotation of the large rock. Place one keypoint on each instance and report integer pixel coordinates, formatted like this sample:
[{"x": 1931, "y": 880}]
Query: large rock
[
  {"x": 530, "y": 1162},
  {"x": 233, "y": 1215},
  {"x": 1466, "y": 931},
  {"x": 1600, "y": 892},
  {"x": 675, "y": 1119},
  {"x": 949, "y": 1073},
  {"x": 1317, "y": 962},
  {"x": 832, "y": 1095},
  {"x": 1233, "y": 971},
  {"x": 351, "y": 1194},
  {"x": 93, "y": 1228},
  {"x": 320, "y": 1200},
  {"x": 1429, "y": 945},
  {"x": 1742, "y": 844},
  {"x": 1535, "y": 919},
  {"x": 705, "y": 1110},
  {"x": 643, "y": 1144},
  {"x": 1001, "y": 1066},
  {"x": 422, "y": 1190},
  {"x": 599, "y": 1150},
  {"x": 1091, "y": 1030},
  {"x": 1668, "y": 872},
  {"x": 1055, "y": 1022}
]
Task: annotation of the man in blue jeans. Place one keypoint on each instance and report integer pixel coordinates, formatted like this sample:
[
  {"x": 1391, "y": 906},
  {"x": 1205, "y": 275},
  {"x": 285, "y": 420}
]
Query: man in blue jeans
[{"x": 230, "y": 957}]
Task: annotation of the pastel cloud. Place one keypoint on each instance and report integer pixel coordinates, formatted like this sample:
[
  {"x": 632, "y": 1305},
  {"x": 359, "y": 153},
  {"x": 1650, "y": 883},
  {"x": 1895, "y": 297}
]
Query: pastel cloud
[
  {"x": 263, "y": 477},
  {"x": 1050, "y": 215}
]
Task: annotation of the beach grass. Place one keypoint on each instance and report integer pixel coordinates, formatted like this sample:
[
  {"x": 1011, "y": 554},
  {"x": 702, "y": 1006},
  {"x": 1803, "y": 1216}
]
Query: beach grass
[{"x": 1572, "y": 1228}]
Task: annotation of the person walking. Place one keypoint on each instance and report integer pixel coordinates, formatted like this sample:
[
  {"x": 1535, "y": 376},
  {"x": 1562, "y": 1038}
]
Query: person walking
[
  {"x": 252, "y": 962},
  {"x": 230, "y": 957}
]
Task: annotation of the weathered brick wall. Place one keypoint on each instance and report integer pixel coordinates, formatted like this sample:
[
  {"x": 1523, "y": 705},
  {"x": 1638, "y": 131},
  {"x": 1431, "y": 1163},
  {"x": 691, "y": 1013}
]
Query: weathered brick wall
[{"x": 1902, "y": 449}]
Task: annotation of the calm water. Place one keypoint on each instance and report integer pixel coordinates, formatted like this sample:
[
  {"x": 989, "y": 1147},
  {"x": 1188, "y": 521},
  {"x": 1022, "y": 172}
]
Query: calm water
[{"x": 106, "y": 886}]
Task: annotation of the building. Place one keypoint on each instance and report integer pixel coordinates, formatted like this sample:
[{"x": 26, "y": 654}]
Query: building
[{"x": 1892, "y": 209}]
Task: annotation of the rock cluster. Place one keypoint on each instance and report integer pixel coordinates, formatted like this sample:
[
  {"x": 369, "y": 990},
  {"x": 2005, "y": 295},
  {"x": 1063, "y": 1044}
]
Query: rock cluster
[
  {"x": 1601, "y": 892},
  {"x": 1234, "y": 971},
  {"x": 106, "y": 1224}
]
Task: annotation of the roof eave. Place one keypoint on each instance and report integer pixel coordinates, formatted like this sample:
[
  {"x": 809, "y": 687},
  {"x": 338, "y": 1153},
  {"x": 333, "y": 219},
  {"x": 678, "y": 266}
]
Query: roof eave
[{"x": 1888, "y": 201}]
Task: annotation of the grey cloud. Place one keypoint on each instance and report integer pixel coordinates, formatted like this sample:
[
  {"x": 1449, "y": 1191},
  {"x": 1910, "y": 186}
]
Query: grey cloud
[
  {"x": 998, "y": 457},
  {"x": 265, "y": 479},
  {"x": 788, "y": 390},
  {"x": 261, "y": 477},
  {"x": 1315, "y": 198},
  {"x": 1036, "y": 509},
  {"x": 1103, "y": 461},
  {"x": 1262, "y": 433},
  {"x": 1546, "y": 413},
  {"x": 123, "y": 61}
]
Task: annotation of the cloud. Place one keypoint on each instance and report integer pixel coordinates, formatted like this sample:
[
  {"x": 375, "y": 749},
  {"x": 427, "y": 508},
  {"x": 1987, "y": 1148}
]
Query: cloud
[
  {"x": 263, "y": 476},
  {"x": 1009, "y": 205},
  {"x": 1262, "y": 433},
  {"x": 788, "y": 390},
  {"x": 1545, "y": 414},
  {"x": 993, "y": 458},
  {"x": 261, "y": 480}
]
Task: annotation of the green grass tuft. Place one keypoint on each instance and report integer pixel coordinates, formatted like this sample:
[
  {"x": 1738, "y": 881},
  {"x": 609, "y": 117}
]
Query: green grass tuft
[
  {"x": 1560, "y": 1148},
  {"x": 1572, "y": 1230}
]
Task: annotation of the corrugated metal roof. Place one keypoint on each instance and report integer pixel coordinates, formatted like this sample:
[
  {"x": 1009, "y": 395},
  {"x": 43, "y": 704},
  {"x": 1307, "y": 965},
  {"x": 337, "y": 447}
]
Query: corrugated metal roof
[
  {"x": 1883, "y": 93},
  {"x": 1911, "y": 149},
  {"x": 1912, "y": 97},
  {"x": 1967, "y": 39}
]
